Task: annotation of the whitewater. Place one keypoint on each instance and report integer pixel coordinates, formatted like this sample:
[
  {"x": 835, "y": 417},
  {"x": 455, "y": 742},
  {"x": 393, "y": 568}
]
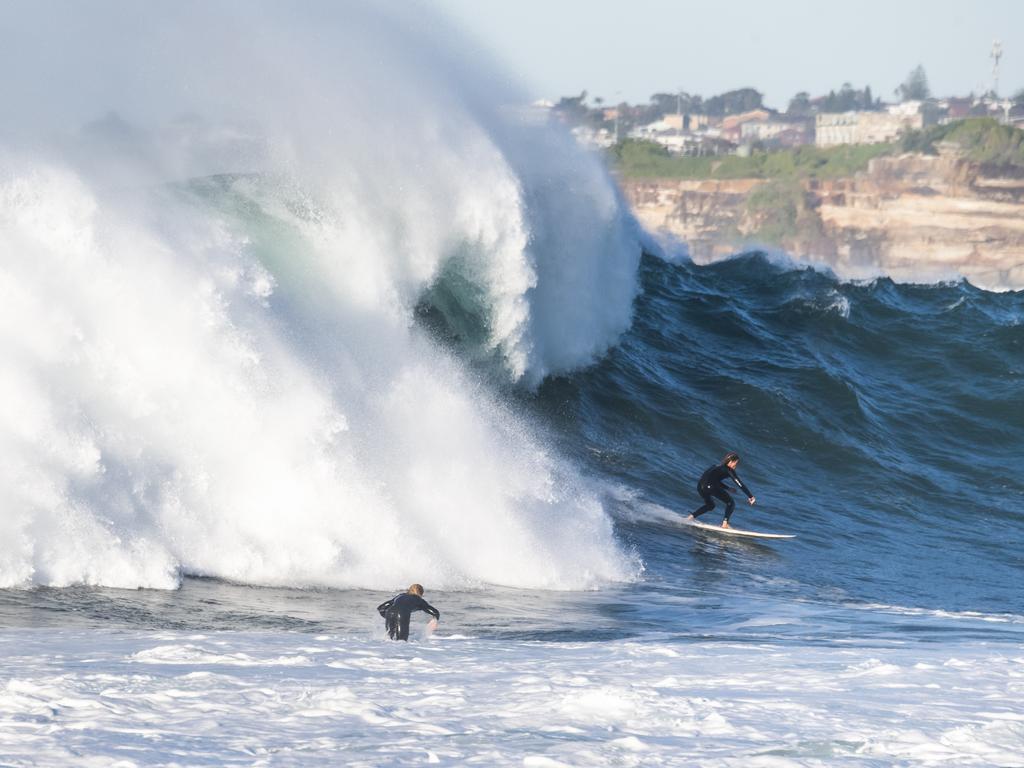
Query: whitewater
[
  {"x": 219, "y": 375},
  {"x": 301, "y": 305}
]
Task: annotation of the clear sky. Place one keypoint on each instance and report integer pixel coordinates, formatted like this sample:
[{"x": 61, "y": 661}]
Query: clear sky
[{"x": 629, "y": 50}]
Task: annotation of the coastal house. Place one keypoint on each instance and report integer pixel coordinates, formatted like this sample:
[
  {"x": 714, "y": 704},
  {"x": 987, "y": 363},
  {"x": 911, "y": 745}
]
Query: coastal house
[
  {"x": 681, "y": 136},
  {"x": 778, "y": 133},
  {"x": 956, "y": 108},
  {"x": 731, "y": 122},
  {"x": 673, "y": 122},
  {"x": 731, "y": 127},
  {"x": 667, "y": 131},
  {"x": 695, "y": 122},
  {"x": 869, "y": 127}
]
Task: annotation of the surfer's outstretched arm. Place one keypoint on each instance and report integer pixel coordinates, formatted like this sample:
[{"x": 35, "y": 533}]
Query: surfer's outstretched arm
[
  {"x": 742, "y": 487},
  {"x": 426, "y": 607}
]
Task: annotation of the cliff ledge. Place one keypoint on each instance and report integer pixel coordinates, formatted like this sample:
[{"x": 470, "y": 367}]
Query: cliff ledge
[{"x": 913, "y": 217}]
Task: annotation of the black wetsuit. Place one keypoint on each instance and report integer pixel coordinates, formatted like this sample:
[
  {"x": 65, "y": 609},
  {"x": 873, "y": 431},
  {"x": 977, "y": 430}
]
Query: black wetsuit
[
  {"x": 397, "y": 610},
  {"x": 711, "y": 486}
]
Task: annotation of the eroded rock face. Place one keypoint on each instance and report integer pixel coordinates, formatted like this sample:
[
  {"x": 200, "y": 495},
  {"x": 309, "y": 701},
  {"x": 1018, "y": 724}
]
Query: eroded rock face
[{"x": 911, "y": 217}]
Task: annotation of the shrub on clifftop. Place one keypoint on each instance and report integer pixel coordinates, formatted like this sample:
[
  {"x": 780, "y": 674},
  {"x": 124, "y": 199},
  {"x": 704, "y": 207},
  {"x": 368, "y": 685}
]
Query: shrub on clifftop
[
  {"x": 644, "y": 159},
  {"x": 981, "y": 140}
]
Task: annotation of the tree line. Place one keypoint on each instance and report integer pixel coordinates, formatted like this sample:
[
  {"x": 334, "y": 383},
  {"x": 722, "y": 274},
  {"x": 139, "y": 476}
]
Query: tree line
[{"x": 577, "y": 110}]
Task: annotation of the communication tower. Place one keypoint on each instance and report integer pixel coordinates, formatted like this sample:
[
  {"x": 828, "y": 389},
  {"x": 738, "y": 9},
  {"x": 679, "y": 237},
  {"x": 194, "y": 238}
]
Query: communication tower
[{"x": 996, "y": 55}]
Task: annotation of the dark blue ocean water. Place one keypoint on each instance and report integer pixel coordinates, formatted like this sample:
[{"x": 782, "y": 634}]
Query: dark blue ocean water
[{"x": 881, "y": 423}]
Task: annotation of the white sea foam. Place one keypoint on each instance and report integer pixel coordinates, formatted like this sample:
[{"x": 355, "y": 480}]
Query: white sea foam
[
  {"x": 243, "y": 699},
  {"x": 902, "y": 610},
  {"x": 920, "y": 272},
  {"x": 227, "y": 379},
  {"x": 839, "y": 304}
]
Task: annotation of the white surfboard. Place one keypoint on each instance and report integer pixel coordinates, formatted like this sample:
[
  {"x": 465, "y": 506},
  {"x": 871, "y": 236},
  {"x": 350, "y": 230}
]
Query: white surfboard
[{"x": 737, "y": 531}]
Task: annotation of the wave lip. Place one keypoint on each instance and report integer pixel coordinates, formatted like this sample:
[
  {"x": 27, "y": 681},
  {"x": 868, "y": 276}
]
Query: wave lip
[
  {"x": 224, "y": 377},
  {"x": 166, "y": 420}
]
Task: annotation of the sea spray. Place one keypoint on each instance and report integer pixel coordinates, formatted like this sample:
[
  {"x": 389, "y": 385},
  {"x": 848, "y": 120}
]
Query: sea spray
[{"x": 211, "y": 362}]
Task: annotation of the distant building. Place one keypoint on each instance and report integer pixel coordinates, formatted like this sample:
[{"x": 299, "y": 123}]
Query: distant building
[
  {"x": 673, "y": 122},
  {"x": 685, "y": 134},
  {"x": 906, "y": 108},
  {"x": 682, "y": 142},
  {"x": 732, "y": 125},
  {"x": 662, "y": 127},
  {"x": 956, "y": 108},
  {"x": 703, "y": 144},
  {"x": 832, "y": 129},
  {"x": 730, "y": 122},
  {"x": 778, "y": 133},
  {"x": 694, "y": 122}
]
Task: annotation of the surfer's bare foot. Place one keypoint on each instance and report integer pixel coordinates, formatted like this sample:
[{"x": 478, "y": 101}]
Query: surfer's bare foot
[
  {"x": 725, "y": 524},
  {"x": 690, "y": 517}
]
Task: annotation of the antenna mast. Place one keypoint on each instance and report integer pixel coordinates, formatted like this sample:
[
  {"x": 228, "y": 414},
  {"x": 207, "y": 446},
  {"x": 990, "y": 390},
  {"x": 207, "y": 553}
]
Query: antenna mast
[{"x": 996, "y": 55}]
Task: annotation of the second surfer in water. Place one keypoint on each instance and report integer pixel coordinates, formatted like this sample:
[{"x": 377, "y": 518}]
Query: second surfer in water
[
  {"x": 712, "y": 486},
  {"x": 397, "y": 610}
]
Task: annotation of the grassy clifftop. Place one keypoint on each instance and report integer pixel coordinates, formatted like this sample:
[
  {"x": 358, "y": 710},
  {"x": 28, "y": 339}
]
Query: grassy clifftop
[
  {"x": 644, "y": 160},
  {"x": 980, "y": 140}
]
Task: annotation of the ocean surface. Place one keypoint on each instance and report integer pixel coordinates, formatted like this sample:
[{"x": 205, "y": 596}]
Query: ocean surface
[{"x": 265, "y": 360}]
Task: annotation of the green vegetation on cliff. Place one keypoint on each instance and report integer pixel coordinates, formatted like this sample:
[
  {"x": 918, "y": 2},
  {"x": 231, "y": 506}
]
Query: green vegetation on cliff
[
  {"x": 981, "y": 140},
  {"x": 644, "y": 160},
  {"x": 782, "y": 213}
]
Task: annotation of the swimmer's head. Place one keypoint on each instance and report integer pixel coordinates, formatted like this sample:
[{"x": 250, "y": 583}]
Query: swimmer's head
[
  {"x": 416, "y": 589},
  {"x": 731, "y": 459}
]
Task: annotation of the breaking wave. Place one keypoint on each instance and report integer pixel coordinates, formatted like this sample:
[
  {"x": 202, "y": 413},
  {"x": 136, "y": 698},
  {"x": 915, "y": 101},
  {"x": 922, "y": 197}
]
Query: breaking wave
[{"x": 210, "y": 291}]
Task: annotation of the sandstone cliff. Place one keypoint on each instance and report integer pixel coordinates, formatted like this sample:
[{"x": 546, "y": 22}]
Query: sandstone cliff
[{"x": 913, "y": 217}]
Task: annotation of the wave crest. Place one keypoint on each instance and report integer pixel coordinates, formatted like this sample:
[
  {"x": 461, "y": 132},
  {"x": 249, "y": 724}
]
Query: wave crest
[{"x": 224, "y": 376}]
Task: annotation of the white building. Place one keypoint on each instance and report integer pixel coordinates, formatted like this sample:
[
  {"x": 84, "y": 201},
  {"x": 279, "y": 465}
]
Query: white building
[{"x": 832, "y": 129}]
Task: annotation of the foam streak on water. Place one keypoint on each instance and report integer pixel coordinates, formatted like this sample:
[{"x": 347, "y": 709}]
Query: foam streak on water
[{"x": 240, "y": 699}]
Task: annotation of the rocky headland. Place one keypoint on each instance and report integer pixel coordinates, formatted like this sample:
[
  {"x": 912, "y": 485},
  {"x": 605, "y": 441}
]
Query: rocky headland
[{"x": 912, "y": 217}]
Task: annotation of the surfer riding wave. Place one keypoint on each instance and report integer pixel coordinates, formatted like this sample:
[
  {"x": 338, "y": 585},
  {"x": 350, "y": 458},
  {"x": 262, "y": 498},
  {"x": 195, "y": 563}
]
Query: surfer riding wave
[{"x": 712, "y": 485}]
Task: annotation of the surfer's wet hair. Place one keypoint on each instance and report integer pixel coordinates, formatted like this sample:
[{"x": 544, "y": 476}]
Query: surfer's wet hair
[
  {"x": 416, "y": 589},
  {"x": 731, "y": 456}
]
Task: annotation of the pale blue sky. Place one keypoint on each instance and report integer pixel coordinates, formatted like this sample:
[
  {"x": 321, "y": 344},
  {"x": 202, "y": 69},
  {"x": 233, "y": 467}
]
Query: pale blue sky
[{"x": 636, "y": 48}]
